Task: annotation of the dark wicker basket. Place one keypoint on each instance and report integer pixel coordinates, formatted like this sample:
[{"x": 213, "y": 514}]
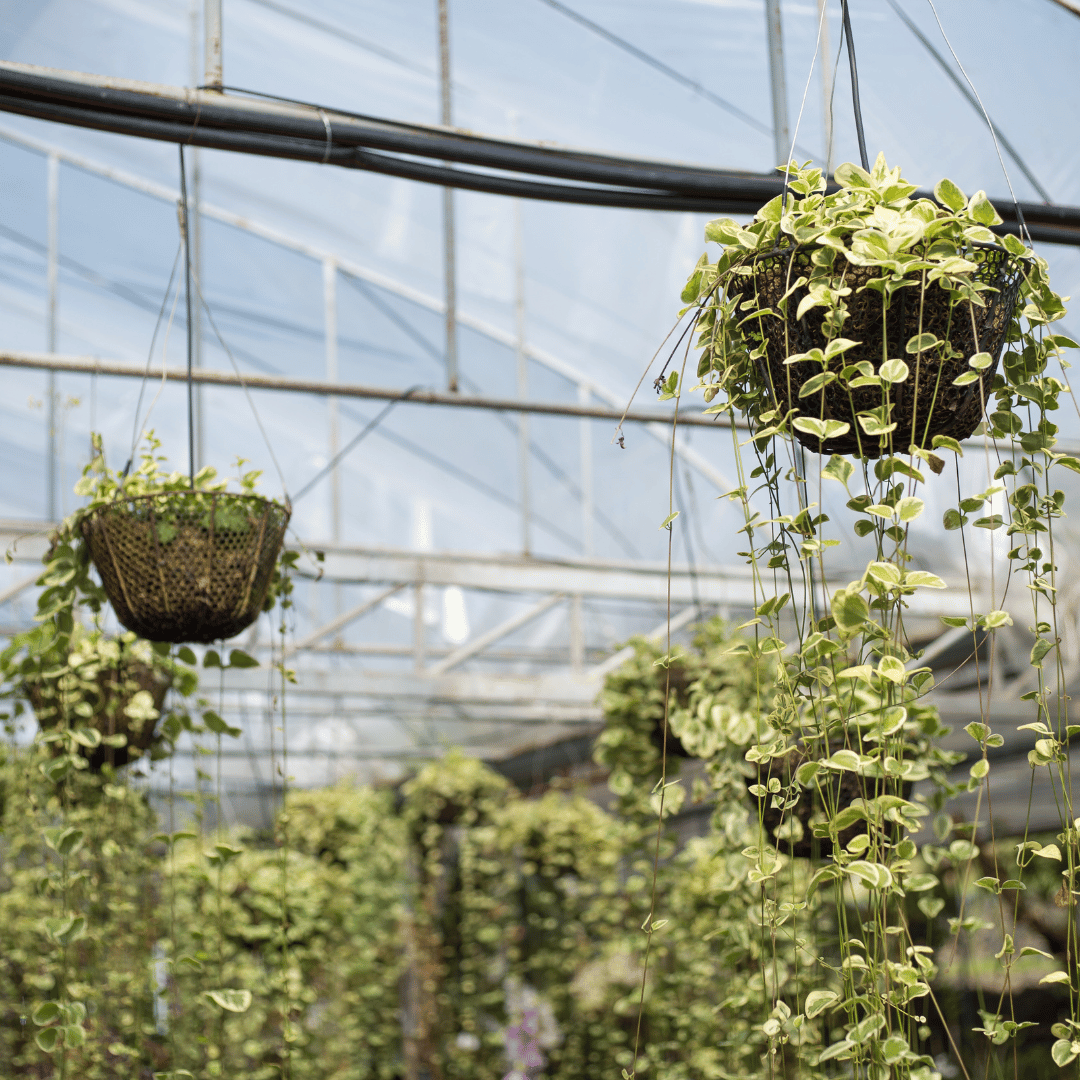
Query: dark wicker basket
[
  {"x": 187, "y": 566},
  {"x": 843, "y": 789},
  {"x": 115, "y": 689},
  {"x": 938, "y": 407}
]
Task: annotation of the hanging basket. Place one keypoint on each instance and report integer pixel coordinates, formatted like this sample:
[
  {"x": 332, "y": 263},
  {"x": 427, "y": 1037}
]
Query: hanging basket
[
  {"x": 186, "y": 566},
  {"x": 841, "y": 789},
  {"x": 113, "y": 691},
  {"x": 926, "y": 403}
]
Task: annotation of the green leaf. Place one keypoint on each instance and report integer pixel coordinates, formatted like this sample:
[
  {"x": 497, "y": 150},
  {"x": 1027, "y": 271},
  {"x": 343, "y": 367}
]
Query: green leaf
[
  {"x": 849, "y": 609},
  {"x": 70, "y": 841},
  {"x": 237, "y": 1001},
  {"x": 74, "y": 1035},
  {"x": 893, "y": 371},
  {"x": 892, "y": 668},
  {"x": 211, "y": 659},
  {"x": 217, "y": 725},
  {"x": 1056, "y": 977},
  {"x": 817, "y": 1001},
  {"x": 909, "y": 508},
  {"x": 949, "y": 195},
  {"x": 1041, "y": 647},
  {"x": 931, "y": 906},
  {"x": 944, "y": 442},
  {"x": 186, "y": 656},
  {"x": 920, "y": 883},
  {"x": 953, "y": 520},
  {"x": 981, "y": 361},
  {"x": 875, "y": 875},
  {"x": 996, "y": 619},
  {"x": 922, "y": 342},
  {"x": 47, "y": 1039},
  {"x": 45, "y": 1013},
  {"x": 982, "y": 210},
  {"x": 965, "y": 378},
  {"x": 240, "y": 659},
  {"x": 1068, "y": 462},
  {"x": 817, "y": 383},
  {"x": 923, "y": 578},
  {"x": 1064, "y": 1050},
  {"x": 884, "y": 572},
  {"x": 666, "y": 523},
  {"x": 839, "y": 468}
]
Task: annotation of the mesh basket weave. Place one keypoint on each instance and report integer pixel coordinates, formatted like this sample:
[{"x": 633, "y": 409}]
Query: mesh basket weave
[
  {"x": 115, "y": 689},
  {"x": 189, "y": 565},
  {"x": 926, "y": 403}
]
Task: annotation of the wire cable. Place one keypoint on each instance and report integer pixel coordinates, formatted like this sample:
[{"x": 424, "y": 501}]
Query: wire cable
[
  {"x": 856, "y": 104},
  {"x": 247, "y": 392},
  {"x": 970, "y": 98},
  {"x": 353, "y": 443},
  {"x": 190, "y": 323},
  {"x": 659, "y": 65},
  {"x": 989, "y": 122}
]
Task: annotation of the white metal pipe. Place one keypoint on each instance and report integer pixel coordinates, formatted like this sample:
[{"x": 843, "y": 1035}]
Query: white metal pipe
[
  {"x": 449, "y": 256},
  {"x": 586, "y": 478},
  {"x": 522, "y": 376},
  {"x": 330, "y": 324},
  {"x": 213, "y": 33},
  {"x": 826, "y": 61},
  {"x": 51, "y": 332},
  {"x": 777, "y": 82}
]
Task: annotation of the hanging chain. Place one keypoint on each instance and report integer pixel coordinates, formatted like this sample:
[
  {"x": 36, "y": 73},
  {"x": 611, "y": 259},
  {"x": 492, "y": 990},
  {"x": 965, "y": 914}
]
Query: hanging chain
[
  {"x": 854, "y": 85},
  {"x": 183, "y": 210}
]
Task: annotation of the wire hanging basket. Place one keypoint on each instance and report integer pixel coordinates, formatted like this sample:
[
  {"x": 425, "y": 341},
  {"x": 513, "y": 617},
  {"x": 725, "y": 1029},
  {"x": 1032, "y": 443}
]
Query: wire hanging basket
[
  {"x": 114, "y": 690},
  {"x": 925, "y": 404},
  {"x": 187, "y": 566}
]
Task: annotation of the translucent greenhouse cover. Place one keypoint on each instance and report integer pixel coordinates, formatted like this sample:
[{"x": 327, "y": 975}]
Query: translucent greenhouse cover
[{"x": 600, "y": 286}]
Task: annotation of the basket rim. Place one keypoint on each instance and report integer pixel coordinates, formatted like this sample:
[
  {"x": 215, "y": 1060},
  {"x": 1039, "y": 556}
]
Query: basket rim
[
  {"x": 126, "y": 500},
  {"x": 813, "y": 245}
]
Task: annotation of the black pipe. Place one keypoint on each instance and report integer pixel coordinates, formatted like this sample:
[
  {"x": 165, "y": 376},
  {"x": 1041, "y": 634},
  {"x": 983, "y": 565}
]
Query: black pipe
[{"x": 629, "y": 184}]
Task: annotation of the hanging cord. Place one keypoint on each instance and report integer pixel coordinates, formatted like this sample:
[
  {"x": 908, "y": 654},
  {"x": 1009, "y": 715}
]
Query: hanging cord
[
  {"x": 854, "y": 85},
  {"x": 802, "y": 109},
  {"x": 190, "y": 321},
  {"x": 989, "y": 123},
  {"x": 970, "y": 98},
  {"x": 136, "y": 427},
  {"x": 353, "y": 443},
  {"x": 243, "y": 384}
]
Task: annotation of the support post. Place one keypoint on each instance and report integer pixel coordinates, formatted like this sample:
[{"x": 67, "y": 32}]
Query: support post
[
  {"x": 195, "y": 65},
  {"x": 577, "y": 635},
  {"x": 826, "y": 61},
  {"x": 51, "y": 335},
  {"x": 781, "y": 135},
  {"x": 212, "y": 27},
  {"x": 419, "y": 644},
  {"x": 449, "y": 257},
  {"x": 522, "y": 376},
  {"x": 586, "y": 467},
  {"x": 330, "y": 324}
]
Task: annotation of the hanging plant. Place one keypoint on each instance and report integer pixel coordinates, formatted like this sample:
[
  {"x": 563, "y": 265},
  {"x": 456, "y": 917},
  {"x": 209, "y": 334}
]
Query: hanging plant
[
  {"x": 864, "y": 321},
  {"x": 633, "y": 699},
  {"x": 180, "y": 559},
  {"x": 868, "y": 323},
  {"x": 109, "y": 690}
]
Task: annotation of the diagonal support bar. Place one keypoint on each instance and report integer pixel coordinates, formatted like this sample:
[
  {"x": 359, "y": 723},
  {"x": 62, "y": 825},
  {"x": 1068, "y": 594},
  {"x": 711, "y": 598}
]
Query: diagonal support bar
[
  {"x": 685, "y": 616},
  {"x": 342, "y": 620},
  {"x": 480, "y": 643}
]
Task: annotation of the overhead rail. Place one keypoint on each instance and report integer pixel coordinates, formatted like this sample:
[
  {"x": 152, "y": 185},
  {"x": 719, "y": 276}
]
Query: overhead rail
[
  {"x": 304, "y": 132},
  {"x": 89, "y": 365}
]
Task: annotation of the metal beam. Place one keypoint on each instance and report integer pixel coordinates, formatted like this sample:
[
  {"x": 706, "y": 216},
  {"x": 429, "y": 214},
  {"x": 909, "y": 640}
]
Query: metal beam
[
  {"x": 646, "y": 582},
  {"x": 482, "y": 641},
  {"x": 90, "y": 365}
]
